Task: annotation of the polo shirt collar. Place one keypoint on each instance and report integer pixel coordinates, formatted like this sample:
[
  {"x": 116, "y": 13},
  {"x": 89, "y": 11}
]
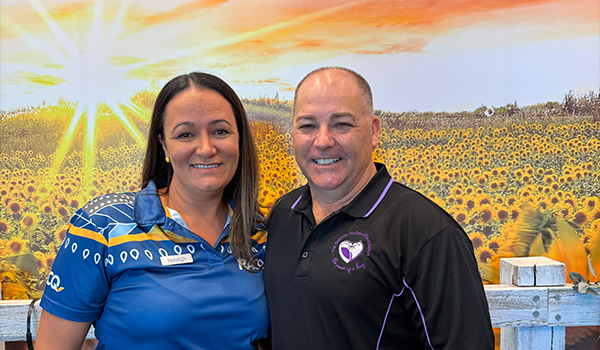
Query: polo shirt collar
[
  {"x": 363, "y": 204},
  {"x": 147, "y": 207},
  {"x": 148, "y": 210}
]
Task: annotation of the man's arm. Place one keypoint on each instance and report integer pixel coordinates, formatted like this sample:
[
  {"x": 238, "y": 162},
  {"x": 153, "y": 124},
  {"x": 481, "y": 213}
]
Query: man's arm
[{"x": 447, "y": 297}]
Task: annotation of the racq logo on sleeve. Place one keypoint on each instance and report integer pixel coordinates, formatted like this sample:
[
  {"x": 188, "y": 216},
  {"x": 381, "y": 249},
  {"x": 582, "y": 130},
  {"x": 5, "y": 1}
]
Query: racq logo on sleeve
[
  {"x": 350, "y": 251},
  {"x": 54, "y": 282}
]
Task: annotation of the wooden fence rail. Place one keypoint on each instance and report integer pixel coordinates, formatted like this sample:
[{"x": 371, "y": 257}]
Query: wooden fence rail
[{"x": 532, "y": 306}]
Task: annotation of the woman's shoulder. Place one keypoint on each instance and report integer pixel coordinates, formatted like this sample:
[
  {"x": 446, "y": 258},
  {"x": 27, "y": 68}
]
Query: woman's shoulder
[
  {"x": 109, "y": 202},
  {"x": 105, "y": 210}
]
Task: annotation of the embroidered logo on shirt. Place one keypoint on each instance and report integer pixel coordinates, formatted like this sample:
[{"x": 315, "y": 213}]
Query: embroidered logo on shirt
[{"x": 350, "y": 251}]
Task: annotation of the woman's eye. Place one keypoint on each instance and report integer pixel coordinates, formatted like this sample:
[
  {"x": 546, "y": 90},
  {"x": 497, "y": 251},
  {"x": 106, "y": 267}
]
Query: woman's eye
[
  {"x": 184, "y": 135},
  {"x": 220, "y": 132}
]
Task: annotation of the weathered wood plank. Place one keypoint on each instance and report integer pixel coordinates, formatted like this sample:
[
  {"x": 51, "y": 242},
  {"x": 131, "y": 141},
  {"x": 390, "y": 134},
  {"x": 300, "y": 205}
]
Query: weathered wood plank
[
  {"x": 567, "y": 307},
  {"x": 558, "y": 338},
  {"x": 510, "y": 306},
  {"x": 517, "y": 338},
  {"x": 517, "y": 306},
  {"x": 13, "y": 320}
]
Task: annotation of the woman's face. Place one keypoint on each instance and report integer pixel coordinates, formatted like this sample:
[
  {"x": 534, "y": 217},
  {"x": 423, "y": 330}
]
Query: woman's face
[{"x": 201, "y": 139}]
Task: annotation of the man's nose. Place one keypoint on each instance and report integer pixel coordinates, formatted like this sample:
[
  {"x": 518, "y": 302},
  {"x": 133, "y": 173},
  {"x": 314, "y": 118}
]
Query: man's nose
[{"x": 324, "y": 138}]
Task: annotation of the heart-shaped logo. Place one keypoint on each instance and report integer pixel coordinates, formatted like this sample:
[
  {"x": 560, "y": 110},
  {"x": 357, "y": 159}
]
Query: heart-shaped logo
[{"x": 350, "y": 250}]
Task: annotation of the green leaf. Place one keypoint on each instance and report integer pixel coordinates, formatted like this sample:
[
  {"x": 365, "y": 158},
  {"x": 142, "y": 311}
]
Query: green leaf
[
  {"x": 537, "y": 246},
  {"x": 576, "y": 277},
  {"x": 595, "y": 254},
  {"x": 26, "y": 262},
  {"x": 591, "y": 267}
]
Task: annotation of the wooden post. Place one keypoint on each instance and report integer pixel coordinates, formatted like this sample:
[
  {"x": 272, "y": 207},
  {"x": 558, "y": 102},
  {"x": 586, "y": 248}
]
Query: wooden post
[{"x": 533, "y": 272}]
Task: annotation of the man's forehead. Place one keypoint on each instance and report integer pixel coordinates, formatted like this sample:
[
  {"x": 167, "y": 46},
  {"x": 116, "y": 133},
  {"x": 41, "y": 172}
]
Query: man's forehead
[
  {"x": 332, "y": 116},
  {"x": 327, "y": 78}
]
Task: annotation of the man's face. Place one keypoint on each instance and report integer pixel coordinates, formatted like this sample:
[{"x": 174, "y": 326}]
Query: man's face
[{"x": 334, "y": 134}]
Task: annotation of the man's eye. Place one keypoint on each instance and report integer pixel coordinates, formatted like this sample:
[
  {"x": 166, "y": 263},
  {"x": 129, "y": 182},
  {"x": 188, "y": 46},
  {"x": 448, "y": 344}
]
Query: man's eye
[
  {"x": 306, "y": 126},
  {"x": 343, "y": 125}
]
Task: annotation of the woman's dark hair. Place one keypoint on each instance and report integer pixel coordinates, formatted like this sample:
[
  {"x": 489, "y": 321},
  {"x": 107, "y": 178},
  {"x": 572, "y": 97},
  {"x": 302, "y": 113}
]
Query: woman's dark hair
[{"x": 243, "y": 187}]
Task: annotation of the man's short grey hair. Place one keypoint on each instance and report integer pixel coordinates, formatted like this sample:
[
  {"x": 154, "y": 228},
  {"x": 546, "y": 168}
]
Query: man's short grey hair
[{"x": 362, "y": 83}]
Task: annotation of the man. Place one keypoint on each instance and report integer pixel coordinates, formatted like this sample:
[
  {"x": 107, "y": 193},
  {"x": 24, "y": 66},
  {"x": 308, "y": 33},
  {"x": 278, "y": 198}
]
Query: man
[{"x": 354, "y": 259}]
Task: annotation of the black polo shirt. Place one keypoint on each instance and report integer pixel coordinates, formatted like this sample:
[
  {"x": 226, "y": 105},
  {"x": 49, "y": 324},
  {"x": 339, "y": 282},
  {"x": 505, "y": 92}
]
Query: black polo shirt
[{"x": 390, "y": 270}]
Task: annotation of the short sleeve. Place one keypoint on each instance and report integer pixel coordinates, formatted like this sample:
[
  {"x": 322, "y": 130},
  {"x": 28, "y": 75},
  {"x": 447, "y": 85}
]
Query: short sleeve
[
  {"x": 77, "y": 286},
  {"x": 447, "y": 296}
]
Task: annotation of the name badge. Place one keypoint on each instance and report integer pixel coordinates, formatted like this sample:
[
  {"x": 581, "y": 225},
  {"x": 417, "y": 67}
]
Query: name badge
[{"x": 176, "y": 259}]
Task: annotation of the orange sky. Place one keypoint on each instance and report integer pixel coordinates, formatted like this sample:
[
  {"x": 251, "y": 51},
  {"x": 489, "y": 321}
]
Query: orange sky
[{"x": 269, "y": 45}]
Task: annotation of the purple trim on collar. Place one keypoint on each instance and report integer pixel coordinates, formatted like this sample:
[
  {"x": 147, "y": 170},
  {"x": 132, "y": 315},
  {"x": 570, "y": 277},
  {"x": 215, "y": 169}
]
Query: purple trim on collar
[
  {"x": 387, "y": 187},
  {"x": 296, "y": 202},
  {"x": 386, "y": 316},
  {"x": 420, "y": 313}
]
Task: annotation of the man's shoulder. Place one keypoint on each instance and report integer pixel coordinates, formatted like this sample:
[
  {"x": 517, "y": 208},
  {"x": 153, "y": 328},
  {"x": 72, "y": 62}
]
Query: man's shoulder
[
  {"x": 402, "y": 192},
  {"x": 406, "y": 199}
]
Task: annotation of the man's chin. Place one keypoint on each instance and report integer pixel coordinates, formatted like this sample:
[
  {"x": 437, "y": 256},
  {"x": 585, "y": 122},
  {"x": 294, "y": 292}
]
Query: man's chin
[{"x": 321, "y": 184}]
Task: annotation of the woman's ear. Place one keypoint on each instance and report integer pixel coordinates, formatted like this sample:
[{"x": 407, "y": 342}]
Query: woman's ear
[{"x": 162, "y": 142}]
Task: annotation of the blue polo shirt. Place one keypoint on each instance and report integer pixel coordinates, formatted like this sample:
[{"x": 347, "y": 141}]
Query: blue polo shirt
[{"x": 147, "y": 282}]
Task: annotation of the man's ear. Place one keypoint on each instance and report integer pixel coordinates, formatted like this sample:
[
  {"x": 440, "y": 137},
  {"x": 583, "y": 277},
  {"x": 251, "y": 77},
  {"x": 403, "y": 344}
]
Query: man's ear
[{"x": 375, "y": 129}]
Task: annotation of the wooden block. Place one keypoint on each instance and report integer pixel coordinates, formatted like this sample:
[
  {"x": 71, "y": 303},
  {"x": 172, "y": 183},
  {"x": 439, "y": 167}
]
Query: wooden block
[
  {"x": 532, "y": 271},
  {"x": 549, "y": 272}
]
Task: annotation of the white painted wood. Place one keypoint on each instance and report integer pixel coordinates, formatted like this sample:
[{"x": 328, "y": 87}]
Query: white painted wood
[
  {"x": 558, "y": 338},
  {"x": 511, "y": 272},
  {"x": 567, "y": 307},
  {"x": 13, "y": 320},
  {"x": 509, "y": 306},
  {"x": 532, "y": 271},
  {"x": 534, "y": 338},
  {"x": 515, "y": 306},
  {"x": 531, "y": 317},
  {"x": 520, "y": 338},
  {"x": 549, "y": 272}
]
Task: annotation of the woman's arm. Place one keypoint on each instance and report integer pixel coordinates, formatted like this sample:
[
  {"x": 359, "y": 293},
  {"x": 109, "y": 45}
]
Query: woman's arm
[{"x": 57, "y": 333}]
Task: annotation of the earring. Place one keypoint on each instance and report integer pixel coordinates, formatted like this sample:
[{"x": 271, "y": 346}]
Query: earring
[{"x": 167, "y": 159}]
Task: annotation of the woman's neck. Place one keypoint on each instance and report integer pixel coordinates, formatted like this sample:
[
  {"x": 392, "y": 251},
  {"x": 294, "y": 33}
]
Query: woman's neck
[{"x": 204, "y": 215}]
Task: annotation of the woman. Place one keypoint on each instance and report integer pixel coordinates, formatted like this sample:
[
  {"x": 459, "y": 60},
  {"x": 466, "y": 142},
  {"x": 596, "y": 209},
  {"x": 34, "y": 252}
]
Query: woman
[{"x": 176, "y": 265}]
